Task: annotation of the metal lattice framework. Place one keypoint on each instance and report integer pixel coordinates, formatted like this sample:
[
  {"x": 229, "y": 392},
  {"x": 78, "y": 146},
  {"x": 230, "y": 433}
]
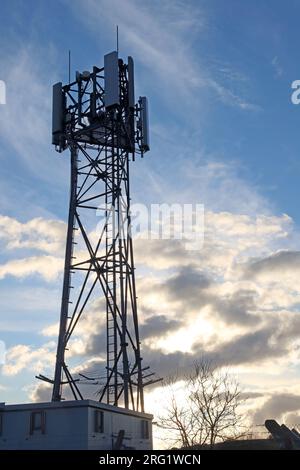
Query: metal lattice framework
[{"x": 102, "y": 140}]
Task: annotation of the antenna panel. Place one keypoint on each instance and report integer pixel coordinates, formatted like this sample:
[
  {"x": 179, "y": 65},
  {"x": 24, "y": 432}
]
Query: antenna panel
[
  {"x": 111, "y": 80},
  {"x": 131, "y": 99},
  {"x": 57, "y": 113},
  {"x": 145, "y": 142}
]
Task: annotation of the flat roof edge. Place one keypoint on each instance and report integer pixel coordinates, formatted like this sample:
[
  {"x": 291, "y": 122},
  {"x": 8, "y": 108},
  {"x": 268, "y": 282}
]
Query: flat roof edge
[{"x": 73, "y": 404}]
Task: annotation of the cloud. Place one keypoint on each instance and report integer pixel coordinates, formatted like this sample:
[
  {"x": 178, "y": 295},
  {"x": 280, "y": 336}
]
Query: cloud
[
  {"x": 280, "y": 265},
  {"x": 25, "y": 119},
  {"x": 49, "y": 267},
  {"x": 292, "y": 420},
  {"x": 275, "y": 340},
  {"x": 160, "y": 36},
  {"x": 186, "y": 293},
  {"x": 25, "y": 308},
  {"x": 168, "y": 253},
  {"x": 277, "y": 67},
  {"x": 193, "y": 290},
  {"x": 152, "y": 40},
  {"x": 193, "y": 286},
  {"x": 251, "y": 395},
  {"x": 276, "y": 407},
  {"x": 192, "y": 304},
  {"x": 51, "y": 330},
  {"x": 22, "y": 357},
  {"x": 188, "y": 286},
  {"x": 250, "y": 348},
  {"x": 229, "y": 238},
  {"x": 41, "y": 393},
  {"x": 168, "y": 364},
  {"x": 218, "y": 184},
  {"x": 237, "y": 308},
  {"x": 38, "y": 234},
  {"x": 158, "y": 325},
  {"x": 92, "y": 330},
  {"x": 228, "y": 97}
]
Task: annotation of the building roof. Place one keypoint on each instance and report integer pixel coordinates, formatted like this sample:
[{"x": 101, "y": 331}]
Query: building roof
[{"x": 74, "y": 404}]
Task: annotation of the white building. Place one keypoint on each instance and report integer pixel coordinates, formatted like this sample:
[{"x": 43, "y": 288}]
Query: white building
[{"x": 82, "y": 424}]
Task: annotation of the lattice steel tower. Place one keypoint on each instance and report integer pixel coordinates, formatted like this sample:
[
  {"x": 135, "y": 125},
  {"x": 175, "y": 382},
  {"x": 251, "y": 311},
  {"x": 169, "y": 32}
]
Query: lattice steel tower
[{"x": 96, "y": 117}]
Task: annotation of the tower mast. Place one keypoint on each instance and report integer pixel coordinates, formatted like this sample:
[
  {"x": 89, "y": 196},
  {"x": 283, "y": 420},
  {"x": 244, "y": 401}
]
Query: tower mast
[{"x": 97, "y": 119}]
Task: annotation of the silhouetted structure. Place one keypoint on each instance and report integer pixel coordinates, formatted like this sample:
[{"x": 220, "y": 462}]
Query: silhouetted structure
[{"x": 97, "y": 119}]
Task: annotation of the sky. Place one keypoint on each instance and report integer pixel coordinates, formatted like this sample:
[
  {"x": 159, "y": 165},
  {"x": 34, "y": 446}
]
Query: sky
[{"x": 224, "y": 133}]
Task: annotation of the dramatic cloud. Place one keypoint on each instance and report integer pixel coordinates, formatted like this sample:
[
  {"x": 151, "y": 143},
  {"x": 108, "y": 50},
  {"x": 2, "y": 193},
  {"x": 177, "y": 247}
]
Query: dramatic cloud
[
  {"x": 237, "y": 308},
  {"x": 278, "y": 266},
  {"x": 192, "y": 290},
  {"x": 228, "y": 239},
  {"x": 22, "y": 357},
  {"x": 38, "y": 234},
  {"x": 41, "y": 393},
  {"x": 92, "y": 331},
  {"x": 49, "y": 267},
  {"x": 275, "y": 340},
  {"x": 194, "y": 298},
  {"x": 186, "y": 285},
  {"x": 167, "y": 254},
  {"x": 159, "y": 325},
  {"x": 195, "y": 290},
  {"x": 276, "y": 407},
  {"x": 244, "y": 349},
  {"x": 250, "y": 348}
]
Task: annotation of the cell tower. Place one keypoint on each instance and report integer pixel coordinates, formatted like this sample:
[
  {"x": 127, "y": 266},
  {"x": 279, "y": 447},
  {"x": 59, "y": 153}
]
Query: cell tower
[{"x": 96, "y": 117}]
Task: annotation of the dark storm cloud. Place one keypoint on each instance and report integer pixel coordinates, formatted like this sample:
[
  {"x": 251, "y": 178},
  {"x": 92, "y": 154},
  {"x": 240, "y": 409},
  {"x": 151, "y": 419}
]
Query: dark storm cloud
[
  {"x": 250, "y": 348},
  {"x": 265, "y": 343},
  {"x": 238, "y": 308},
  {"x": 279, "y": 262},
  {"x": 42, "y": 393},
  {"x": 158, "y": 325},
  {"x": 271, "y": 335},
  {"x": 168, "y": 364},
  {"x": 288, "y": 326},
  {"x": 190, "y": 287},
  {"x": 187, "y": 286},
  {"x": 276, "y": 406},
  {"x": 96, "y": 344},
  {"x": 155, "y": 326},
  {"x": 245, "y": 349}
]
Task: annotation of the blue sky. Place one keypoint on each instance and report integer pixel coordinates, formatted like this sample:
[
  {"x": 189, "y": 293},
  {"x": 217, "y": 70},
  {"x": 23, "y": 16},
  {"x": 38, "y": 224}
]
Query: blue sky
[
  {"x": 249, "y": 51},
  {"x": 224, "y": 133}
]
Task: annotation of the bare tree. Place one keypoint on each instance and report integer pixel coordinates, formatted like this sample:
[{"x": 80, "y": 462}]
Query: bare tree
[{"x": 209, "y": 410}]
